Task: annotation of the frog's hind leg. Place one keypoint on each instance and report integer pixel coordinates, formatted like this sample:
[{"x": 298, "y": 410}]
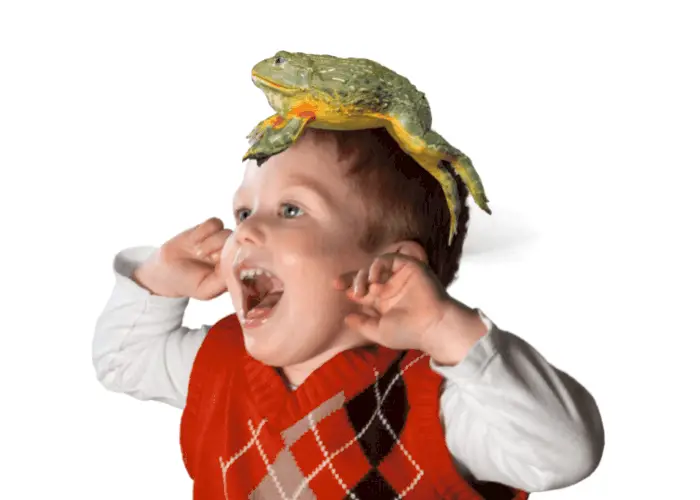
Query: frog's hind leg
[
  {"x": 277, "y": 137},
  {"x": 435, "y": 167},
  {"x": 432, "y": 161},
  {"x": 462, "y": 165}
]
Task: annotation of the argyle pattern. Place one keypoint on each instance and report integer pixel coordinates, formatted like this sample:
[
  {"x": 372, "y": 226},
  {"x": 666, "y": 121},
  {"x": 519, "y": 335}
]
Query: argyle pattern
[
  {"x": 358, "y": 447},
  {"x": 342, "y": 444}
]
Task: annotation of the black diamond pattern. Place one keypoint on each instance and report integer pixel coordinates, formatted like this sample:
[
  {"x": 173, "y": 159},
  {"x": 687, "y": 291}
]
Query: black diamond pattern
[
  {"x": 373, "y": 486},
  {"x": 376, "y": 442}
]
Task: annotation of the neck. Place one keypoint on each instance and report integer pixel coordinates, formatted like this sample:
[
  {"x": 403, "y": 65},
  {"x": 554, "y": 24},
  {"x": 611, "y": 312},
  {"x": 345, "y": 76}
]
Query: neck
[{"x": 296, "y": 374}]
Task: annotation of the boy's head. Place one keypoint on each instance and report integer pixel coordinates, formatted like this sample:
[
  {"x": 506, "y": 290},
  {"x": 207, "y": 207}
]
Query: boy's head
[{"x": 327, "y": 205}]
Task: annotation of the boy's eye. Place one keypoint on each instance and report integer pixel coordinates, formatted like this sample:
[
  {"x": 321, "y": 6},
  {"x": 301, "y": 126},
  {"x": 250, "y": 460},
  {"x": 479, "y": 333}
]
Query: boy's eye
[
  {"x": 239, "y": 212},
  {"x": 288, "y": 211},
  {"x": 293, "y": 209}
]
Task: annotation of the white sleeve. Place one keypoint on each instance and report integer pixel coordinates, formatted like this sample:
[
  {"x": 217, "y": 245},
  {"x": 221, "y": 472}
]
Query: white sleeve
[
  {"x": 512, "y": 418},
  {"x": 140, "y": 346}
]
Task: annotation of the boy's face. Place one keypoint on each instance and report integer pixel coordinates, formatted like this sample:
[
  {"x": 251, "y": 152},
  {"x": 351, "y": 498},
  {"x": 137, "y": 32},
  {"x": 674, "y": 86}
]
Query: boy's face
[{"x": 297, "y": 218}]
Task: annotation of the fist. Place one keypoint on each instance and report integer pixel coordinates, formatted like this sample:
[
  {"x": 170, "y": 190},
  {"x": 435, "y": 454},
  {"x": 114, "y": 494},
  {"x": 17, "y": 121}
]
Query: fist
[
  {"x": 403, "y": 301},
  {"x": 187, "y": 265}
]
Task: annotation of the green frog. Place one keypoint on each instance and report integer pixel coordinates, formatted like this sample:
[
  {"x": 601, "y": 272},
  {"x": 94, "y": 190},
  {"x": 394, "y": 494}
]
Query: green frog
[{"x": 329, "y": 92}]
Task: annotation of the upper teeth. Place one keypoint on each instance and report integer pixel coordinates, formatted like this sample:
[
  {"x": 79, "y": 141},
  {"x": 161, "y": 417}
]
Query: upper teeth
[{"x": 252, "y": 273}]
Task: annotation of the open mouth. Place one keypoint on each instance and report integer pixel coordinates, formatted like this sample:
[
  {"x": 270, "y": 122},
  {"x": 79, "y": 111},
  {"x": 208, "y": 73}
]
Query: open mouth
[{"x": 262, "y": 291}]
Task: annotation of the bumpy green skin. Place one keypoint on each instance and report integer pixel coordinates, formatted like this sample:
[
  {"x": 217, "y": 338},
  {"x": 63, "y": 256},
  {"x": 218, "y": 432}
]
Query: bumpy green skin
[
  {"x": 324, "y": 91},
  {"x": 350, "y": 82}
]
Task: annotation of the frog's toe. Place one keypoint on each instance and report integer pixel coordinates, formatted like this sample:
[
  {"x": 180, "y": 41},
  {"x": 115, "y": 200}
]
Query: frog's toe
[
  {"x": 464, "y": 168},
  {"x": 254, "y": 153},
  {"x": 255, "y": 134}
]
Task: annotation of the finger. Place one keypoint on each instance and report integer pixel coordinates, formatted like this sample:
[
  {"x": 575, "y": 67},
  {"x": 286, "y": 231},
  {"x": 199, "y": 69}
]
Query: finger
[
  {"x": 380, "y": 275},
  {"x": 380, "y": 270},
  {"x": 212, "y": 286},
  {"x": 360, "y": 285},
  {"x": 371, "y": 299},
  {"x": 399, "y": 261},
  {"x": 213, "y": 244},
  {"x": 202, "y": 231},
  {"x": 366, "y": 325},
  {"x": 345, "y": 280}
]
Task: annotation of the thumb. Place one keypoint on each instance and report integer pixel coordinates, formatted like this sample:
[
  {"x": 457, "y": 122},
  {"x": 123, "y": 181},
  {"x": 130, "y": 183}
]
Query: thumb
[
  {"x": 364, "y": 324},
  {"x": 212, "y": 286}
]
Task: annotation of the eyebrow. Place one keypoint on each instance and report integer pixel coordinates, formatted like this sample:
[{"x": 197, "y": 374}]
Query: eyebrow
[{"x": 310, "y": 184}]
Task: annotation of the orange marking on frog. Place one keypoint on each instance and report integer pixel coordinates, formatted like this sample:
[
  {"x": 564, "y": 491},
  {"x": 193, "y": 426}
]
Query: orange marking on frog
[{"x": 305, "y": 110}]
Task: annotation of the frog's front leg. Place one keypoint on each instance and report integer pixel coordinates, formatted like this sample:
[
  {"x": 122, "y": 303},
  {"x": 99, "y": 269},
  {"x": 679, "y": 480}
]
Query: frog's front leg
[
  {"x": 273, "y": 121},
  {"x": 277, "y": 138}
]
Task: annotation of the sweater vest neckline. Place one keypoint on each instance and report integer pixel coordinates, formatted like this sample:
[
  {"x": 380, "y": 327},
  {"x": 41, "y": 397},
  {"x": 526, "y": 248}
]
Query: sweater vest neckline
[{"x": 350, "y": 372}]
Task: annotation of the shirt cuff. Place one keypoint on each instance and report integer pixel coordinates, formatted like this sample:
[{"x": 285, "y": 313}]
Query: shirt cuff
[{"x": 478, "y": 357}]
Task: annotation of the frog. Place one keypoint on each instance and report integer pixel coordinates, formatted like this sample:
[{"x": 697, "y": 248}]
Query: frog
[{"x": 352, "y": 93}]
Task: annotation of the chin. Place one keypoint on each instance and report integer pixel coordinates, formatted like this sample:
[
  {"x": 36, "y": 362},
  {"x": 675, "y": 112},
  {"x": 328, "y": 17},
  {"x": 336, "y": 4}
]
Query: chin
[
  {"x": 278, "y": 354},
  {"x": 261, "y": 350},
  {"x": 270, "y": 351}
]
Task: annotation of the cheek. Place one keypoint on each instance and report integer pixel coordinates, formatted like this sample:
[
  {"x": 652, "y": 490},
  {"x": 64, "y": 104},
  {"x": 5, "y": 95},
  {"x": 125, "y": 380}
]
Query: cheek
[
  {"x": 322, "y": 254},
  {"x": 316, "y": 268},
  {"x": 313, "y": 261},
  {"x": 338, "y": 240},
  {"x": 228, "y": 256},
  {"x": 228, "y": 251}
]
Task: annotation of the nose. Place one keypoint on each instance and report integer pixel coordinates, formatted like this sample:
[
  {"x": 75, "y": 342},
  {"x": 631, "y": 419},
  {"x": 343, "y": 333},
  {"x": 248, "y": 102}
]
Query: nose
[{"x": 249, "y": 232}]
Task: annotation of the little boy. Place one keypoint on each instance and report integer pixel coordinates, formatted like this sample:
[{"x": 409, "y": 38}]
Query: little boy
[{"x": 348, "y": 371}]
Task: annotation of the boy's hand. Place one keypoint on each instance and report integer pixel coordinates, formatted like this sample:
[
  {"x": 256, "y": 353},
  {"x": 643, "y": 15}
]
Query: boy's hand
[
  {"x": 188, "y": 264},
  {"x": 403, "y": 297}
]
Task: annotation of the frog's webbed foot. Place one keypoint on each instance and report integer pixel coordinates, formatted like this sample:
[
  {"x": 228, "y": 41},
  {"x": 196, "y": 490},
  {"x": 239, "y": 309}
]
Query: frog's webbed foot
[
  {"x": 271, "y": 121},
  {"x": 462, "y": 166},
  {"x": 276, "y": 137}
]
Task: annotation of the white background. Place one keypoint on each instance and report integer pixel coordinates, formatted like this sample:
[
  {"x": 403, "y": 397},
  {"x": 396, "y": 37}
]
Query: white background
[{"x": 123, "y": 123}]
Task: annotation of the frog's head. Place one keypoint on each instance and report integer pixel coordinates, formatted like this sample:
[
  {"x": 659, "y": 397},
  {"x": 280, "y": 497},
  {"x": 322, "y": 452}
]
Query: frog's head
[{"x": 282, "y": 76}]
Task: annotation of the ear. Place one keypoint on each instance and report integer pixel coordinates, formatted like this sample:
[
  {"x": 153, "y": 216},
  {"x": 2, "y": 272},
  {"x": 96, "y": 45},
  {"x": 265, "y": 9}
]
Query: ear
[{"x": 409, "y": 248}]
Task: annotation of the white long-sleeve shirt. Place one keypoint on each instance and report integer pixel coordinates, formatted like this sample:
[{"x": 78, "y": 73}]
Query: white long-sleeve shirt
[{"x": 509, "y": 416}]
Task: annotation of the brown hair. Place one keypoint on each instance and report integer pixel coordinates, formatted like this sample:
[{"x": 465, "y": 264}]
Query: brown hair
[{"x": 405, "y": 202}]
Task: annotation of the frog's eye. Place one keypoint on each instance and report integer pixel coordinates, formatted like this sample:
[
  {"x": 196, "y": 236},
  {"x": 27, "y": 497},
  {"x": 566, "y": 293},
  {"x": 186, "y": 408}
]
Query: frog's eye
[{"x": 279, "y": 60}]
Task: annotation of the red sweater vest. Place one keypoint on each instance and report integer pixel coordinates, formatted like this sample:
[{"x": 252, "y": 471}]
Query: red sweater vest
[{"x": 365, "y": 425}]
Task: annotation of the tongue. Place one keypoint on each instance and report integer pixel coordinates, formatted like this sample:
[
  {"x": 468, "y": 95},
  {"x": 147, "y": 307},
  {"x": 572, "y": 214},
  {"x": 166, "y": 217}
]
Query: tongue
[{"x": 265, "y": 305}]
